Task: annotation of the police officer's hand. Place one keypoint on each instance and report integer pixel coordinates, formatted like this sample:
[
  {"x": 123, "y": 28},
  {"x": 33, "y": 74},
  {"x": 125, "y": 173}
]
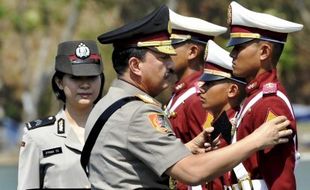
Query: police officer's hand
[
  {"x": 201, "y": 143},
  {"x": 272, "y": 132}
]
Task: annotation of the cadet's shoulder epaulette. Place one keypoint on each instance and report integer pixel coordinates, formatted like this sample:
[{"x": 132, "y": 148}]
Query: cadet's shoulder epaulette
[
  {"x": 270, "y": 88},
  {"x": 148, "y": 99},
  {"x": 41, "y": 122}
]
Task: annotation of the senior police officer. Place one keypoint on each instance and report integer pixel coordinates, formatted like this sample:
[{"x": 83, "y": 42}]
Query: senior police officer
[
  {"x": 135, "y": 146},
  {"x": 258, "y": 40},
  {"x": 51, "y": 147}
]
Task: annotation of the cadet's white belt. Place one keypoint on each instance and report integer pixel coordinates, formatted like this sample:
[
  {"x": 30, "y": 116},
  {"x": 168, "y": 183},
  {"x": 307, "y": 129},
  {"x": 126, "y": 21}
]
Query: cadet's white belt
[{"x": 257, "y": 184}]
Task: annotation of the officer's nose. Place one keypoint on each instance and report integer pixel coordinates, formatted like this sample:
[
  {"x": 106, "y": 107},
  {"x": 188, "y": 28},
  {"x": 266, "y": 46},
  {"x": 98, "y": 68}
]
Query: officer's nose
[{"x": 85, "y": 84}]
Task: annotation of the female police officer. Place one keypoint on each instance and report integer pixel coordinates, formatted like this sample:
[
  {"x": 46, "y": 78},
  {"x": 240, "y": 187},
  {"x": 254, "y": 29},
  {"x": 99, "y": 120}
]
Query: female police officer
[{"x": 51, "y": 148}]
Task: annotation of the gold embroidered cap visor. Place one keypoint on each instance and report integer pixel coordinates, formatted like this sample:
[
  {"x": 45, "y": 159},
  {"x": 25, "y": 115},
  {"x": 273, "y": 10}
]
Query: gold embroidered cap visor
[
  {"x": 213, "y": 75},
  {"x": 159, "y": 46},
  {"x": 240, "y": 38}
]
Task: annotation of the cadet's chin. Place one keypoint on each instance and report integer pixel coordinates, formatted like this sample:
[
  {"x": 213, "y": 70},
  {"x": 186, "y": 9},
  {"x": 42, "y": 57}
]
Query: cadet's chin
[{"x": 204, "y": 106}]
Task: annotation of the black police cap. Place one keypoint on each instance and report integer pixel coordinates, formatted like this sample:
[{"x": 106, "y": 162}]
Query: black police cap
[
  {"x": 79, "y": 58},
  {"x": 152, "y": 31}
]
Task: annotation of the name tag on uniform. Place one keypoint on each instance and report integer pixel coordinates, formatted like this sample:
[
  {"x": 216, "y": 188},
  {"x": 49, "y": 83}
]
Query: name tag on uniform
[{"x": 52, "y": 151}]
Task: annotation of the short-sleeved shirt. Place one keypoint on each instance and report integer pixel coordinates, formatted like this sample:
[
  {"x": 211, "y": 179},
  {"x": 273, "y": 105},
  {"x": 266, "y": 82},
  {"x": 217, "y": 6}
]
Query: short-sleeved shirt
[
  {"x": 135, "y": 146},
  {"x": 50, "y": 155},
  {"x": 275, "y": 165}
]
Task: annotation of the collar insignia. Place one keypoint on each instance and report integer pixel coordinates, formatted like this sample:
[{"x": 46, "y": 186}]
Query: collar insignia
[
  {"x": 252, "y": 86},
  {"x": 61, "y": 126},
  {"x": 180, "y": 86}
]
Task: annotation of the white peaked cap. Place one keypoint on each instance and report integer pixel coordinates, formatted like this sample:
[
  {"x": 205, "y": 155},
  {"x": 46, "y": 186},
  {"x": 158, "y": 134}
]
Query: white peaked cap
[
  {"x": 243, "y": 23},
  {"x": 218, "y": 64},
  {"x": 246, "y": 17},
  {"x": 194, "y": 25},
  {"x": 218, "y": 56}
]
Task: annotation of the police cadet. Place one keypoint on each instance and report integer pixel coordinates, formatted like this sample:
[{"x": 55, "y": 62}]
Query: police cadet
[
  {"x": 258, "y": 40},
  {"x": 135, "y": 147},
  {"x": 51, "y": 147},
  {"x": 189, "y": 37},
  {"x": 221, "y": 95}
]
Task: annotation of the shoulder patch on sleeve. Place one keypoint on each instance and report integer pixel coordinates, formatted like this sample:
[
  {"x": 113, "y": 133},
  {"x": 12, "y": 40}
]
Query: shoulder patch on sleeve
[
  {"x": 148, "y": 99},
  {"x": 41, "y": 122},
  {"x": 270, "y": 88},
  {"x": 159, "y": 122},
  {"x": 270, "y": 116}
]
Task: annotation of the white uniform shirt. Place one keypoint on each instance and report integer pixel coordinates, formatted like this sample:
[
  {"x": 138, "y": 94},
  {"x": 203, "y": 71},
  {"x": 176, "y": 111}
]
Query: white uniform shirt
[{"x": 50, "y": 156}]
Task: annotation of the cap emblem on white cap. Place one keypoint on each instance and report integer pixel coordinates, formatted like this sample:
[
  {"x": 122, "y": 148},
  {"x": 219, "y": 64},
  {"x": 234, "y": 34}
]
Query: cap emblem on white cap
[
  {"x": 82, "y": 51},
  {"x": 229, "y": 15}
]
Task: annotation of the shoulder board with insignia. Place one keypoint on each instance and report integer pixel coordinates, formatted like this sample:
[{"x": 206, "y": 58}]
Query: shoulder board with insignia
[
  {"x": 148, "y": 99},
  {"x": 41, "y": 122},
  {"x": 270, "y": 88}
]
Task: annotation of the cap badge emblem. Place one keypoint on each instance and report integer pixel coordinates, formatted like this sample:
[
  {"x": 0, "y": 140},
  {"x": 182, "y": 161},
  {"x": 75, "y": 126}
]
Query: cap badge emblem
[
  {"x": 206, "y": 53},
  {"x": 229, "y": 15},
  {"x": 82, "y": 51}
]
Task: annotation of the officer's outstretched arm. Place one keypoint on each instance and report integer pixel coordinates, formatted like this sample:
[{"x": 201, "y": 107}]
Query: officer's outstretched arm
[{"x": 196, "y": 169}]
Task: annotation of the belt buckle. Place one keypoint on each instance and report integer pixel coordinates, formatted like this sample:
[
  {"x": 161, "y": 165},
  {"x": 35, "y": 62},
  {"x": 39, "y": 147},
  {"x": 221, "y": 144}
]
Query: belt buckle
[{"x": 243, "y": 180}]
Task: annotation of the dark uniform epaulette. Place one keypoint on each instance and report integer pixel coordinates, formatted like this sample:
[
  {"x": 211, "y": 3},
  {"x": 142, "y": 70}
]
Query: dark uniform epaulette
[
  {"x": 148, "y": 99},
  {"x": 270, "y": 88},
  {"x": 41, "y": 122}
]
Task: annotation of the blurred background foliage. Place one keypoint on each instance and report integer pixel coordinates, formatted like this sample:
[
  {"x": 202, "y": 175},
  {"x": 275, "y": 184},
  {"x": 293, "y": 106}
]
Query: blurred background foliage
[{"x": 31, "y": 30}]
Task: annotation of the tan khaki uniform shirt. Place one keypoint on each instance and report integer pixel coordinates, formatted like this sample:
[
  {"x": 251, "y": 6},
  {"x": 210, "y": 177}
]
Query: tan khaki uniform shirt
[{"x": 136, "y": 145}]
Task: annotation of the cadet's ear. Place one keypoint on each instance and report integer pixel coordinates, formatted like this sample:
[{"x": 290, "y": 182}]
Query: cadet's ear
[
  {"x": 193, "y": 51},
  {"x": 134, "y": 65},
  {"x": 265, "y": 50},
  {"x": 233, "y": 90}
]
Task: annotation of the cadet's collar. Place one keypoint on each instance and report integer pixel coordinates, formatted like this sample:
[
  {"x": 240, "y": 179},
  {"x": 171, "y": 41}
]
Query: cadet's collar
[
  {"x": 187, "y": 81},
  {"x": 261, "y": 80}
]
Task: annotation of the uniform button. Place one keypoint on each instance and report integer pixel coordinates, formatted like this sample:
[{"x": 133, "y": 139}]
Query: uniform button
[{"x": 173, "y": 114}]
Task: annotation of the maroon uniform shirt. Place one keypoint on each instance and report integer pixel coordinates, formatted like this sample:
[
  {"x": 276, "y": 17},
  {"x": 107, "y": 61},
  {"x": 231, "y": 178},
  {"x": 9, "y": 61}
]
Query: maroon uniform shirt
[
  {"x": 275, "y": 165},
  {"x": 188, "y": 118}
]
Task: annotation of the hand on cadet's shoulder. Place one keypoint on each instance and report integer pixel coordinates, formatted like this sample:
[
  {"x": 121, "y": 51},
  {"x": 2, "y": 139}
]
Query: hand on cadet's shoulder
[
  {"x": 201, "y": 143},
  {"x": 272, "y": 132}
]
